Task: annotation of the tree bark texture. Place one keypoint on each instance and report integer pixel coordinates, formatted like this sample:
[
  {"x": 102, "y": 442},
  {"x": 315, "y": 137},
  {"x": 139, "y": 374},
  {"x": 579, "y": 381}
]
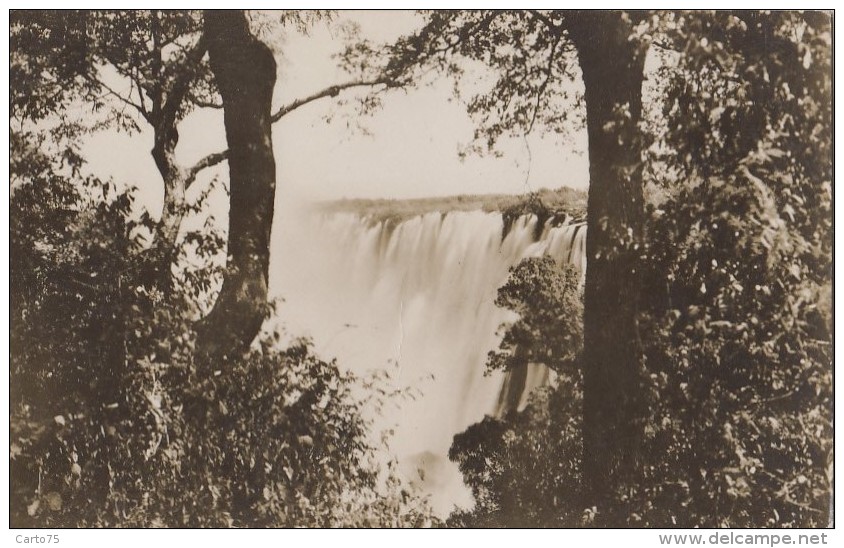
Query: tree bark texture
[
  {"x": 612, "y": 67},
  {"x": 245, "y": 73}
]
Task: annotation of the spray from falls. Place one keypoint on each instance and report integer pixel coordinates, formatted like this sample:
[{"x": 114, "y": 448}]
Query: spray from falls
[{"x": 417, "y": 298}]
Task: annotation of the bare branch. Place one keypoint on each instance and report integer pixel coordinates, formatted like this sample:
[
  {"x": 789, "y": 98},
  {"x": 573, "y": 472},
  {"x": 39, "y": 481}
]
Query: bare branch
[
  {"x": 208, "y": 161},
  {"x": 332, "y": 91},
  {"x": 203, "y": 103},
  {"x": 109, "y": 91}
]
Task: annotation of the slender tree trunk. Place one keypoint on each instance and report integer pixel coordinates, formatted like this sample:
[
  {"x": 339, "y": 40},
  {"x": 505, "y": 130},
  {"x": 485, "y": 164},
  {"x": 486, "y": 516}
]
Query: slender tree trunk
[
  {"x": 167, "y": 100},
  {"x": 164, "y": 154},
  {"x": 612, "y": 67},
  {"x": 245, "y": 73},
  {"x": 163, "y": 250}
]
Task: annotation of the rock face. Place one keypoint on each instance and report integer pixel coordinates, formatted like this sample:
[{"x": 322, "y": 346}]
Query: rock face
[{"x": 518, "y": 384}]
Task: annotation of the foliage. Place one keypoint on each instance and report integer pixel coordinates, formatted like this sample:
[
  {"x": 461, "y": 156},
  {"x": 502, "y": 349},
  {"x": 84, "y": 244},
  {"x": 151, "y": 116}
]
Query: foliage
[
  {"x": 110, "y": 424},
  {"x": 739, "y": 362},
  {"x": 73, "y": 334},
  {"x": 736, "y": 315},
  {"x": 548, "y": 331},
  {"x": 738, "y": 325},
  {"x": 71, "y": 248},
  {"x": 524, "y": 470},
  {"x": 61, "y": 58},
  {"x": 83, "y": 71},
  {"x": 278, "y": 440},
  {"x": 533, "y": 59}
]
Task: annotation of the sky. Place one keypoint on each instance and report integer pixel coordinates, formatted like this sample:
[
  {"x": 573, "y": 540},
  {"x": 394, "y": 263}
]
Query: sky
[{"x": 410, "y": 149}]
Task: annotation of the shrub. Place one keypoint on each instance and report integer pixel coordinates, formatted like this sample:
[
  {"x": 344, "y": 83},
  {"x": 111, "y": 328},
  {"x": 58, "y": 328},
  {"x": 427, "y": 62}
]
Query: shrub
[{"x": 277, "y": 440}]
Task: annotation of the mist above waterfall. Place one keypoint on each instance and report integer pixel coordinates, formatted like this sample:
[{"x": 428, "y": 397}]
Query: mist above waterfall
[{"x": 415, "y": 298}]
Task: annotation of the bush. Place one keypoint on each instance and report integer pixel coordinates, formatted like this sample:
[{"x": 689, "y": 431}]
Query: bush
[
  {"x": 275, "y": 441},
  {"x": 549, "y": 329},
  {"x": 278, "y": 440}
]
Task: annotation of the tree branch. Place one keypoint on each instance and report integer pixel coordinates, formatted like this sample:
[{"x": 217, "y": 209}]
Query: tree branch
[
  {"x": 184, "y": 77},
  {"x": 466, "y": 33},
  {"x": 157, "y": 94},
  {"x": 549, "y": 70},
  {"x": 136, "y": 80},
  {"x": 665, "y": 46},
  {"x": 553, "y": 27},
  {"x": 165, "y": 113},
  {"x": 202, "y": 103},
  {"x": 208, "y": 161},
  {"x": 331, "y": 91},
  {"x": 109, "y": 91}
]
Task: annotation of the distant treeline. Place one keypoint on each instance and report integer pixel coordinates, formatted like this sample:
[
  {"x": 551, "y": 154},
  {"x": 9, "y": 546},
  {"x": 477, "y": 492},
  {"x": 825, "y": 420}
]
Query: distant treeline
[{"x": 562, "y": 201}]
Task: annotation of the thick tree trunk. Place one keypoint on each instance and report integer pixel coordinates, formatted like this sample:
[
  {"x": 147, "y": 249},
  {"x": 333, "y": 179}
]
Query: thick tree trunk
[
  {"x": 612, "y": 67},
  {"x": 245, "y": 73}
]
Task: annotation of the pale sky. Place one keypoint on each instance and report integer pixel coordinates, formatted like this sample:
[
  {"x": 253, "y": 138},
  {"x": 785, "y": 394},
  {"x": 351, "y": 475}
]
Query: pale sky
[{"x": 412, "y": 149}]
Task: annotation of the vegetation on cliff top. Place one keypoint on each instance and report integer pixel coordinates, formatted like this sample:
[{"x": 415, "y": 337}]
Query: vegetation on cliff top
[{"x": 544, "y": 203}]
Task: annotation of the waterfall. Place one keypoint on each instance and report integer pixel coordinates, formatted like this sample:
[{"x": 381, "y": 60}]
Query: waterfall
[{"x": 415, "y": 298}]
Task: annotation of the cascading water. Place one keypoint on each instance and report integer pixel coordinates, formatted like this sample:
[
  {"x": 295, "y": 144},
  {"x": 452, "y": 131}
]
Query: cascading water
[{"x": 416, "y": 298}]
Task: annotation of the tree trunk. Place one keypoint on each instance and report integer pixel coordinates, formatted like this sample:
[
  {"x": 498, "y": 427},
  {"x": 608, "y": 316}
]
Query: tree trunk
[
  {"x": 163, "y": 251},
  {"x": 245, "y": 73},
  {"x": 612, "y": 67}
]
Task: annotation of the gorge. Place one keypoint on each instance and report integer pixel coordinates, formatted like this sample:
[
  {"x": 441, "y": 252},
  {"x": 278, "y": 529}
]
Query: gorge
[{"x": 415, "y": 297}]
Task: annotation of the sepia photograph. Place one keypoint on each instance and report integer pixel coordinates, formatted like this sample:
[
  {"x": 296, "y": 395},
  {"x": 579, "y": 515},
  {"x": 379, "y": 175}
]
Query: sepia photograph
[{"x": 471, "y": 269}]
